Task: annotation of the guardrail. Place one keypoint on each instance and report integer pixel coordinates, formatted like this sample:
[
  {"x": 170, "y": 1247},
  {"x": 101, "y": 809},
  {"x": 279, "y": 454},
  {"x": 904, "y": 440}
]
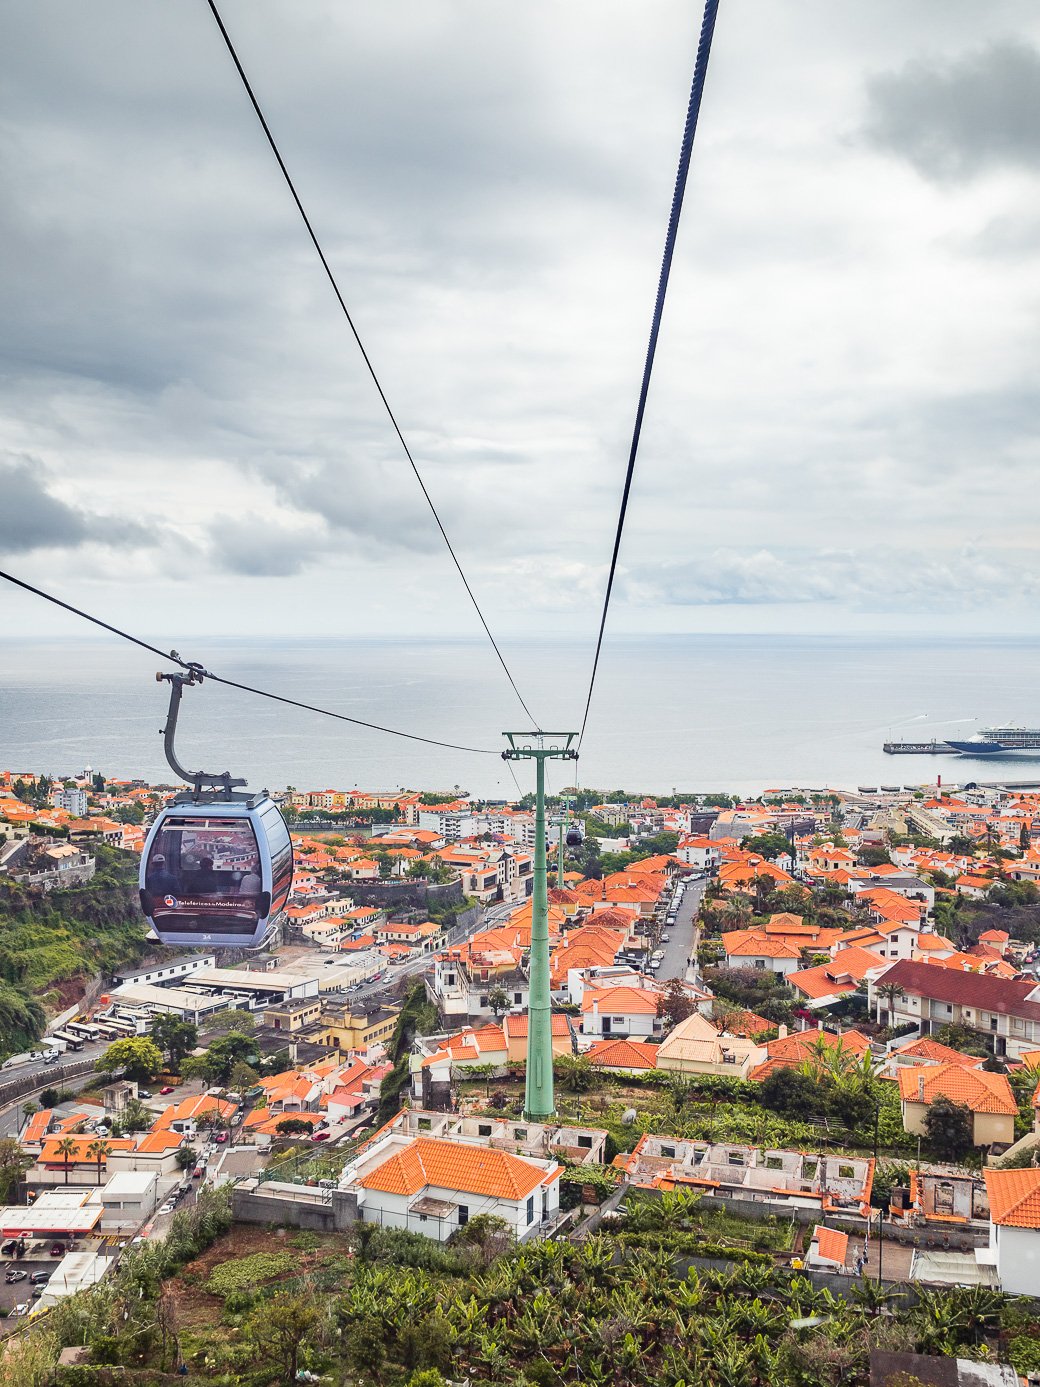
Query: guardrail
[{"x": 54, "y": 1078}]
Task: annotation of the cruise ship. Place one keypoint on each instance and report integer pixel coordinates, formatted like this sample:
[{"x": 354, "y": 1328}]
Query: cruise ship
[{"x": 991, "y": 740}]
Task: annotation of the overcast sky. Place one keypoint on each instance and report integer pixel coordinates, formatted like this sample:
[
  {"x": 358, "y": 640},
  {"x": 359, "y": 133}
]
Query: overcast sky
[{"x": 842, "y": 429}]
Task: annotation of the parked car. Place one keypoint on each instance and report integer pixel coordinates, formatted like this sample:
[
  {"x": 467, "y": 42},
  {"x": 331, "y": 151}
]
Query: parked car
[
  {"x": 57, "y": 1249},
  {"x": 38, "y": 1291},
  {"x": 40, "y": 1278},
  {"x": 8, "y": 1247},
  {"x": 320, "y": 1136},
  {"x": 15, "y": 1274},
  {"x": 665, "y": 938},
  {"x": 166, "y": 1088},
  {"x": 198, "y": 1172},
  {"x": 145, "y": 1092},
  {"x": 220, "y": 1138},
  {"x": 22, "y": 1309}
]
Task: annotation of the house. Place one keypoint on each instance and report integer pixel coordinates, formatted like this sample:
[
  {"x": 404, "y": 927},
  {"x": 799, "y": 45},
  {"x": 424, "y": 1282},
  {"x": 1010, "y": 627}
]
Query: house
[
  {"x": 974, "y": 887},
  {"x": 85, "y": 1164},
  {"x": 1006, "y": 1012},
  {"x": 190, "y": 1113},
  {"x": 355, "y": 1026},
  {"x": 702, "y": 853},
  {"x": 829, "y": 983},
  {"x": 927, "y": 1051},
  {"x": 624, "y": 1011},
  {"x": 515, "y": 1026},
  {"x": 785, "y": 1179},
  {"x": 435, "y": 1185},
  {"x": 437, "y": 1061},
  {"x": 695, "y": 1046},
  {"x": 155, "y": 1153},
  {"x": 1014, "y": 1238},
  {"x": 828, "y": 1249},
  {"x": 751, "y": 948},
  {"x": 988, "y": 1097}
]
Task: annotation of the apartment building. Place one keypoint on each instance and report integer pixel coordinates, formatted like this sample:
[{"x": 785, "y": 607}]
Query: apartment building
[{"x": 1004, "y": 1011}]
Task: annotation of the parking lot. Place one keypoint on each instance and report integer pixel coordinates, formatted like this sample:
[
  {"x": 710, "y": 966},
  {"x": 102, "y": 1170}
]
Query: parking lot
[{"x": 21, "y": 1291}]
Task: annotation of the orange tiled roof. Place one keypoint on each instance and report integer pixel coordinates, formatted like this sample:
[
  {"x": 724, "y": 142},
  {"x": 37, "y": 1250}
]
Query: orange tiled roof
[
  {"x": 620, "y": 1001},
  {"x": 831, "y": 1244},
  {"x": 975, "y": 1089},
  {"x": 51, "y": 1155},
  {"x": 1014, "y": 1197},
  {"x": 37, "y": 1128},
  {"x": 453, "y": 1165},
  {"x": 624, "y": 1054},
  {"x": 929, "y": 1049}
]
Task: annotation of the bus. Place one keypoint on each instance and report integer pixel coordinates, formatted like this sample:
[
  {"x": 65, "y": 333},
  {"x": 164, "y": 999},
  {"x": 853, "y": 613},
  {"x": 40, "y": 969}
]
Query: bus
[
  {"x": 122, "y": 1025},
  {"x": 107, "y": 1032},
  {"x": 72, "y": 1041},
  {"x": 83, "y": 1029}
]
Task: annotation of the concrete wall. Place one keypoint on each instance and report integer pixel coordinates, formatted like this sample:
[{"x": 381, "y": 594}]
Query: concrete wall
[{"x": 296, "y": 1206}]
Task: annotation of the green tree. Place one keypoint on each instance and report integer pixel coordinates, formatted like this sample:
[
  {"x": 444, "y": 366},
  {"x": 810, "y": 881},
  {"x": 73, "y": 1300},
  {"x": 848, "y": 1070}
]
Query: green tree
[
  {"x": 280, "y": 1330},
  {"x": 244, "y": 1022},
  {"x": 99, "y": 1149},
  {"x": 576, "y": 1073},
  {"x": 136, "y": 1057},
  {"x": 14, "y": 1162},
  {"x": 498, "y": 1000},
  {"x": 385, "y": 863},
  {"x": 135, "y": 1117},
  {"x": 770, "y": 845},
  {"x": 222, "y": 1056},
  {"x": 948, "y": 1128},
  {"x": 67, "y": 1148},
  {"x": 673, "y": 1005},
  {"x": 293, "y": 1126},
  {"x": 792, "y": 1093},
  {"x": 243, "y": 1076},
  {"x": 186, "y": 1156},
  {"x": 176, "y": 1038}
]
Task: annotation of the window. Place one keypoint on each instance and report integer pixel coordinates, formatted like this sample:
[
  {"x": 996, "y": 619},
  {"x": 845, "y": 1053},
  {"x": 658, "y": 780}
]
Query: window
[
  {"x": 519, "y": 1133},
  {"x": 484, "y": 1129},
  {"x": 483, "y": 1000},
  {"x": 774, "y": 1163},
  {"x": 668, "y": 1151},
  {"x": 617, "y": 1020},
  {"x": 735, "y": 1157},
  {"x": 760, "y": 963},
  {"x": 463, "y": 1215},
  {"x": 586, "y": 1142},
  {"x": 422, "y": 1218},
  {"x": 530, "y": 1209},
  {"x": 846, "y": 1172},
  {"x": 425, "y": 1124},
  {"x": 518, "y": 997}
]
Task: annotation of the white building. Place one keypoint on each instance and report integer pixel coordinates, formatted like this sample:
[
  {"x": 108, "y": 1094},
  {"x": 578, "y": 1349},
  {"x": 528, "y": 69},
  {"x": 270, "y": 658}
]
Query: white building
[
  {"x": 73, "y": 801},
  {"x": 128, "y": 1198},
  {"x": 1014, "y": 1229},
  {"x": 434, "y": 1185}
]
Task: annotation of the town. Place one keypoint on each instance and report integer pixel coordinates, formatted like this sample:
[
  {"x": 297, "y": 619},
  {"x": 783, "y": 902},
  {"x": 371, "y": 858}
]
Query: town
[{"x": 799, "y": 1033}]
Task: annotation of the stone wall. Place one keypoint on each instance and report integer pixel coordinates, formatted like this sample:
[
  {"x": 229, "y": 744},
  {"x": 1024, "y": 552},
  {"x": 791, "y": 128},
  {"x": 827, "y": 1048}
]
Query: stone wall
[{"x": 296, "y": 1206}]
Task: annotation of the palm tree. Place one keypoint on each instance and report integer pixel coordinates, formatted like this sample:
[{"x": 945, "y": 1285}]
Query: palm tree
[
  {"x": 99, "y": 1149},
  {"x": 738, "y": 912},
  {"x": 67, "y": 1147},
  {"x": 890, "y": 991}
]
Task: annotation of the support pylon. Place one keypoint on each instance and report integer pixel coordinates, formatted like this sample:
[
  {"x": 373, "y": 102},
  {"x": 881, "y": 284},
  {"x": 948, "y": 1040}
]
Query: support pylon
[{"x": 539, "y": 1097}]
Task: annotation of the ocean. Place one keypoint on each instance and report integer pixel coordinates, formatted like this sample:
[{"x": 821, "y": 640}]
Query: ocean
[{"x": 687, "y": 713}]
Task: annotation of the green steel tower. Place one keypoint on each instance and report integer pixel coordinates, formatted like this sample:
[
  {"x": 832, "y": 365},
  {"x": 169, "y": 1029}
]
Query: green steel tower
[{"x": 539, "y": 1099}]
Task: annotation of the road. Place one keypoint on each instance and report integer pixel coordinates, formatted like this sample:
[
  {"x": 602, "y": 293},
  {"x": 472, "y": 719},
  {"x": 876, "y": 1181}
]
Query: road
[{"x": 682, "y": 935}]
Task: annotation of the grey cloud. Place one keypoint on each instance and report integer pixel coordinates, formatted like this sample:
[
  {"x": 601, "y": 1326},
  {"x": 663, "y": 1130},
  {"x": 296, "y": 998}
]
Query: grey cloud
[
  {"x": 954, "y": 119},
  {"x": 31, "y": 518},
  {"x": 881, "y": 580},
  {"x": 257, "y": 548}
]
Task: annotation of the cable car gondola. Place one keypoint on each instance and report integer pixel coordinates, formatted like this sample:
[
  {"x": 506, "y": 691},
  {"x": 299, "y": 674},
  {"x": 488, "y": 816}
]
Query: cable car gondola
[
  {"x": 218, "y": 863},
  {"x": 575, "y": 836}
]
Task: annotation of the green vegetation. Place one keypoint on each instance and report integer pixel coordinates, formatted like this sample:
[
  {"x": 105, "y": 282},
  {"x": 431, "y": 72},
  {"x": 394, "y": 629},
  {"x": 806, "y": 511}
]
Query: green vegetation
[
  {"x": 385, "y": 1308},
  {"x": 137, "y": 1058},
  {"x": 64, "y": 937},
  {"x": 244, "y": 1272}
]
